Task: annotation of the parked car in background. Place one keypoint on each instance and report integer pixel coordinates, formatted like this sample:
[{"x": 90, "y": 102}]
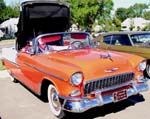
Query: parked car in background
[
  {"x": 66, "y": 67},
  {"x": 1, "y": 34},
  {"x": 135, "y": 42}
]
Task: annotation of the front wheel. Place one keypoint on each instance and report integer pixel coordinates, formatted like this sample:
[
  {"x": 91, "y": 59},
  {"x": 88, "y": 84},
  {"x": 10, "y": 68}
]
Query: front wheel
[
  {"x": 54, "y": 102},
  {"x": 147, "y": 71}
]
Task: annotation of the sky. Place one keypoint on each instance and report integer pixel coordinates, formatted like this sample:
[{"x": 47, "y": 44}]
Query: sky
[
  {"x": 117, "y": 3},
  {"x": 128, "y": 3}
]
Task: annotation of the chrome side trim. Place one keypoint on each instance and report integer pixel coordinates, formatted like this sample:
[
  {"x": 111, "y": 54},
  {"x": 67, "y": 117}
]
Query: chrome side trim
[
  {"x": 14, "y": 63},
  {"x": 43, "y": 71},
  {"x": 83, "y": 104}
]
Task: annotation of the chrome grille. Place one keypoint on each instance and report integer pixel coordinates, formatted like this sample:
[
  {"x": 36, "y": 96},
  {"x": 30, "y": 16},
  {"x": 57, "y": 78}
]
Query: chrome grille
[{"x": 107, "y": 82}]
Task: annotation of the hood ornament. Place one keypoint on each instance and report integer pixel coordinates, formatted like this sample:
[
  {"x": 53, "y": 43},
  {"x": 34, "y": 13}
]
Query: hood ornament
[
  {"x": 106, "y": 56},
  {"x": 111, "y": 70}
]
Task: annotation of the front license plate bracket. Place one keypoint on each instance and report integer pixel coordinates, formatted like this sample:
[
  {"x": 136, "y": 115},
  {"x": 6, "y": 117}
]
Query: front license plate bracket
[{"x": 120, "y": 95}]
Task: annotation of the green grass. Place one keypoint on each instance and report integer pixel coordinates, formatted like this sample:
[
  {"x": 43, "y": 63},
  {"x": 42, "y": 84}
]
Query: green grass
[{"x": 2, "y": 67}]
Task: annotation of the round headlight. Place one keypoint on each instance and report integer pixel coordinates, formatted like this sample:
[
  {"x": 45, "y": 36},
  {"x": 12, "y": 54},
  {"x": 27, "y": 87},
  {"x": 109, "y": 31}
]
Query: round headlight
[
  {"x": 76, "y": 79},
  {"x": 142, "y": 66}
]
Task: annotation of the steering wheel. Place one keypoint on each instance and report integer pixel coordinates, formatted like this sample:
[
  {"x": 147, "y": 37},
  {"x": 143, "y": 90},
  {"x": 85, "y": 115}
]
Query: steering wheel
[{"x": 76, "y": 45}]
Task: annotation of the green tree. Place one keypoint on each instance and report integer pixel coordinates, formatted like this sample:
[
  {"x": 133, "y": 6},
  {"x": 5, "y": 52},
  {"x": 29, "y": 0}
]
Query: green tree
[
  {"x": 105, "y": 7},
  {"x": 83, "y": 12},
  {"x": 121, "y": 14},
  {"x": 137, "y": 10},
  {"x": 117, "y": 23},
  {"x": 2, "y": 7},
  {"x": 8, "y": 11},
  {"x": 147, "y": 15},
  {"x": 104, "y": 16},
  {"x": 86, "y": 11},
  {"x": 15, "y": 10},
  {"x": 146, "y": 28}
]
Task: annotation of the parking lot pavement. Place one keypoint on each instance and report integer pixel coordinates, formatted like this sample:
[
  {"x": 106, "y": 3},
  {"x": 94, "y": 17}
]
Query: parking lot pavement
[
  {"x": 16, "y": 102},
  {"x": 4, "y": 74}
]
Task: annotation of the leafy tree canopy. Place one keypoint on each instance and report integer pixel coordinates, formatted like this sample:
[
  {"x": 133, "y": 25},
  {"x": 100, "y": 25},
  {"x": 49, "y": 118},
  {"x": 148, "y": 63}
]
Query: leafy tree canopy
[
  {"x": 137, "y": 10},
  {"x": 2, "y": 5},
  {"x": 121, "y": 13},
  {"x": 84, "y": 12},
  {"x": 8, "y": 11},
  {"x": 147, "y": 15}
]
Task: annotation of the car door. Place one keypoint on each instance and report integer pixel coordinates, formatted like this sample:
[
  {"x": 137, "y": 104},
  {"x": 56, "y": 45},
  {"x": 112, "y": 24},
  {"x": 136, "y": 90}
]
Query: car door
[
  {"x": 122, "y": 43},
  {"x": 30, "y": 70}
]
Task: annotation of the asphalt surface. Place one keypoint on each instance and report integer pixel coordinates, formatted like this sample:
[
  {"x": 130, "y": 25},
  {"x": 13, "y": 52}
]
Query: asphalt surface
[
  {"x": 6, "y": 44},
  {"x": 17, "y": 102}
]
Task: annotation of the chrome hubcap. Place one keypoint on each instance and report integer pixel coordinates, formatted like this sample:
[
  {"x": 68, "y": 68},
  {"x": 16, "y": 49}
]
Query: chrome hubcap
[{"x": 55, "y": 100}]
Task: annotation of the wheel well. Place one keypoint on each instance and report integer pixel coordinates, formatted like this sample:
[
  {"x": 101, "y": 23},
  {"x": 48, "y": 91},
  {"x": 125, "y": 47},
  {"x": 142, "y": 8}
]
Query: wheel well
[
  {"x": 44, "y": 87},
  {"x": 146, "y": 74}
]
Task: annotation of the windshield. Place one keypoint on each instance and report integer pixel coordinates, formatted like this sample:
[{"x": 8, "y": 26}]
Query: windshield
[
  {"x": 140, "y": 38},
  {"x": 63, "y": 41}
]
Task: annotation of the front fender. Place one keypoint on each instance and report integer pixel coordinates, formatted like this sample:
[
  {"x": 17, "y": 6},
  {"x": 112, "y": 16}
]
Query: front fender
[{"x": 147, "y": 70}]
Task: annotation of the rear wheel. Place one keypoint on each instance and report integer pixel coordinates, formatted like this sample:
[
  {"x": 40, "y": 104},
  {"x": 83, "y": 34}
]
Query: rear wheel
[{"x": 54, "y": 101}]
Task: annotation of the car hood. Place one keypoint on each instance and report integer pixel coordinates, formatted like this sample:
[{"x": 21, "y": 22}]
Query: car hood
[{"x": 94, "y": 62}]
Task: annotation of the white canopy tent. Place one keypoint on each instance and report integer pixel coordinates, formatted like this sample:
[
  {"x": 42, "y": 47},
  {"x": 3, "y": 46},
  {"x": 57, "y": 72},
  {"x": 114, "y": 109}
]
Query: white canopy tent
[{"x": 10, "y": 27}]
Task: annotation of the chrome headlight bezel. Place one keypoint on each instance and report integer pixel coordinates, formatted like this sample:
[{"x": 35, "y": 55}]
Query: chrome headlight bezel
[
  {"x": 76, "y": 79},
  {"x": 142, "y": 65}
]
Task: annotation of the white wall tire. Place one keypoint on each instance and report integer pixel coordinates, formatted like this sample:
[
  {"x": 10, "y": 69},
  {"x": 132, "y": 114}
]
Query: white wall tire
[
  {"x": 54, "y": 102},
  {"x": 148, "y": 71}
]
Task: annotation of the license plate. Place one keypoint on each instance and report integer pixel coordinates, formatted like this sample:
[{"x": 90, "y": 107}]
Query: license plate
[{"x": 120, "y": 95}]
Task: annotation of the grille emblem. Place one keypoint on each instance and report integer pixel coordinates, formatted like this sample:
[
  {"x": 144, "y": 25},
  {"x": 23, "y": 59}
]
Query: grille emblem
[{"x": 111, "y": 70}]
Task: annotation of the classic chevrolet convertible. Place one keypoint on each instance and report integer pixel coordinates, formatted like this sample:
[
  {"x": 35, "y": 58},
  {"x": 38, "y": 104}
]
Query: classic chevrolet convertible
[{"x": 66, "y": 67}]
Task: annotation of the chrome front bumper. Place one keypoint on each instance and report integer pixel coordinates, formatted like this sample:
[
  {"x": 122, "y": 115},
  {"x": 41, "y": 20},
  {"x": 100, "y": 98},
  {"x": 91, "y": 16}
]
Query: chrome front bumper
[{"x": 82, "y": 104}]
